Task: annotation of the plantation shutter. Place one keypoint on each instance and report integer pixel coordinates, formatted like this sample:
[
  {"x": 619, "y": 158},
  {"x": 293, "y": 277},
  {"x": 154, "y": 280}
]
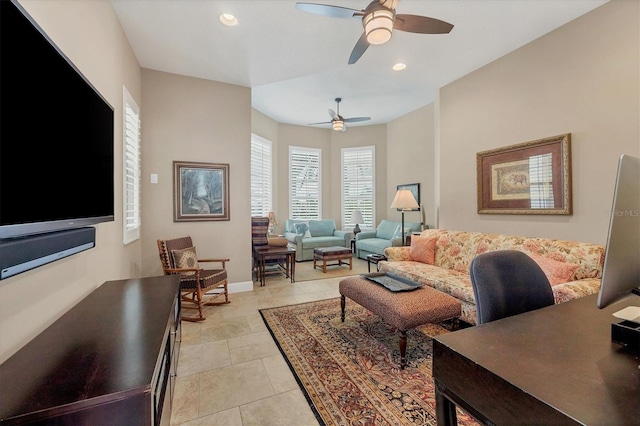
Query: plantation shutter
[
  {"x": 304, "y": 181},
  {"x": 261, "y": 176},
  {"x": 131, "y": 169},
  {"x": 358, "y": 185}
]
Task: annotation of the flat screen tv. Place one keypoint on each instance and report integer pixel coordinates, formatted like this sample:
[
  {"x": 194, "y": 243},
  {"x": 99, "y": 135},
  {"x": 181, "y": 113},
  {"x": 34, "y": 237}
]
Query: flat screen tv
[
  {"x": 56, "y": 135},
  {"x": 621, "y": 273}
]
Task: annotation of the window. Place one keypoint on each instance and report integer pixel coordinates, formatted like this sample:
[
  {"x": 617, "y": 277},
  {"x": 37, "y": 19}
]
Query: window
[
  {"x": 304, "y": 181},
  {"x": 261, "y": 176},
  {"x": 131, "y": 168},
  {"x": 358, "y": 185}
]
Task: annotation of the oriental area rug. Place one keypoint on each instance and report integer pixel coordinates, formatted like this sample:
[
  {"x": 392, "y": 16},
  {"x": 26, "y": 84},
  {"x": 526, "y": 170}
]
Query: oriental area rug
[{"x": 350, "y": 372}]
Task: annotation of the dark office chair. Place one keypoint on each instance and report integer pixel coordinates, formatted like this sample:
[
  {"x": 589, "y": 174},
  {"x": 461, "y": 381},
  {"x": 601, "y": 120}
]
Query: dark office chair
[{"x": 506, "y": 283}]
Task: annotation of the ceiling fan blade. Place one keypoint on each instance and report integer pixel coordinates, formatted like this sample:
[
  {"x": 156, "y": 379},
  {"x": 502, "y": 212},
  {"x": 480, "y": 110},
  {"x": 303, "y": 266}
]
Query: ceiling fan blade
[
  {"x": 421, "y": 24},
  {"x": 356, "y": 119},
  {"x": 332, "y": 113},
  {"x": 328, "y": 10},
  {"x": 360, "y": 47},
  {"x": 322, "y": 122}
]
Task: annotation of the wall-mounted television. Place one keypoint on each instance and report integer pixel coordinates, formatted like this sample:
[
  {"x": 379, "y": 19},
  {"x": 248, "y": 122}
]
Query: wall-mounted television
[
  {"x": 621, "y": 272},
  {"x": 56, "y": 135}
]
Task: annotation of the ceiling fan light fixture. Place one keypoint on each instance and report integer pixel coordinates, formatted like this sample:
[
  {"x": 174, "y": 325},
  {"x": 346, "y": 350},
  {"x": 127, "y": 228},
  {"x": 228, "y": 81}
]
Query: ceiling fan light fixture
[
  {"x": 378, "y": 26},
  {"x": 338, "y": 125}
]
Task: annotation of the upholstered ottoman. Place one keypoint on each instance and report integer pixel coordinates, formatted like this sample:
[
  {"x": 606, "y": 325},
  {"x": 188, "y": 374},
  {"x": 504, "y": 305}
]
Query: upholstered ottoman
[
  {"x": 403, "y": 310},
  {"x": 327, "y": 254}
]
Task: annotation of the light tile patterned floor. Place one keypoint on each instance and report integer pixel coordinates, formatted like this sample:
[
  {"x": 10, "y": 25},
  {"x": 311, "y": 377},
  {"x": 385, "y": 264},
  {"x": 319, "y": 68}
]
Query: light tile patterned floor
[{"x": 230, "y": 371}]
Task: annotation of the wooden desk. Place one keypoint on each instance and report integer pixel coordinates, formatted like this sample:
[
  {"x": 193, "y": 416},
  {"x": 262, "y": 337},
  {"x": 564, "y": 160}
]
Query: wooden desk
[
  {"x": 265, "y": 253},
  {"x": 555, "y": 365}
]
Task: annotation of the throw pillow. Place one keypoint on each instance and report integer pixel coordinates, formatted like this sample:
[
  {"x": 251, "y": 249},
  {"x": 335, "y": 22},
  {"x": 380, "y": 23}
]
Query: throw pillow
[
  {"x": 556, "y": 272},
  {"x": 185, "y": 258},
  {"x": 302, "y": 229},
  {"x": 398, "y": 232},
  {"x": 423, "y": 249},
  {"x": 277, "y": 241}
]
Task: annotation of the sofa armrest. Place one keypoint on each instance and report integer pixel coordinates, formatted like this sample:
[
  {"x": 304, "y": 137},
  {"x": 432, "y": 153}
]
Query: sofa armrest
[
  {"x": 365, "y": 234},
  {"x": 293, "y": 238},
  {"x": 345, "y": 235},
  {"x": 575, "y": 289},
  {"x": 397, "y": 254}
]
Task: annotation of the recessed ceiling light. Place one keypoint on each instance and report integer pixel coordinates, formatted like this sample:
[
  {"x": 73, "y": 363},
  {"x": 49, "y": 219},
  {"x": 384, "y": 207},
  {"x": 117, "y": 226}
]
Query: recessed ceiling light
[
  {"x": 228, "y": 19},
  {"x": 399, "y": 66}
]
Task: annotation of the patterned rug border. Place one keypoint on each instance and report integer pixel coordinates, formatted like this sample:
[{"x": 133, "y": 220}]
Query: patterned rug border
[{"x": 286, "y": 358}]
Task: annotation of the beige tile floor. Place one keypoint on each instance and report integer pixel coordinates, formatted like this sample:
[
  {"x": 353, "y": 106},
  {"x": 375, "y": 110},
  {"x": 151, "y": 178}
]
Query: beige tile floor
[{"x": 230, "y": 371}]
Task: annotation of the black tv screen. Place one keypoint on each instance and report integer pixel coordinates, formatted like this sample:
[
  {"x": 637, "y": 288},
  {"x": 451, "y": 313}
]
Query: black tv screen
[{"x": 56, "y": 135}]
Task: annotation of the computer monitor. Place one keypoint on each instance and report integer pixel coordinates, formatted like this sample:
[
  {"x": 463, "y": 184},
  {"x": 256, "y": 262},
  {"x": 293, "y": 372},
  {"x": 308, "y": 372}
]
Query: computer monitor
[{"x": 621, "y": 272}]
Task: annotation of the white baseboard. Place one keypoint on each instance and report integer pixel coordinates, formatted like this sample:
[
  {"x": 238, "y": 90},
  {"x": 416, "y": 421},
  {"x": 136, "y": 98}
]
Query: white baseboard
[{"x": 241, "y": 286}]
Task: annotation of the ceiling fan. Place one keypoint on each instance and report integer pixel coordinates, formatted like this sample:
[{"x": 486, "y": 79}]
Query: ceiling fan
[
  {"x": 379, "y": 19},
  {"x": 337, "y": 121}
]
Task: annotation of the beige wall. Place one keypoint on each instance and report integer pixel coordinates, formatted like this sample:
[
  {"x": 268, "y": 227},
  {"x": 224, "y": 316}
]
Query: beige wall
[
  {"x": 581, "y": 79},
  {"x": 410, "y": 159},
  {"x": 190, "y": 119},
  {"x": 90, "y": 35}
]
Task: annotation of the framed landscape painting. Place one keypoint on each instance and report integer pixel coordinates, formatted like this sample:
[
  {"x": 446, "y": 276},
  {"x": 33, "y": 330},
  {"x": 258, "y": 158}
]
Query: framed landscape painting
[
  {"x": 201, "y": 191},
  {"x": 528, "y": 178}
]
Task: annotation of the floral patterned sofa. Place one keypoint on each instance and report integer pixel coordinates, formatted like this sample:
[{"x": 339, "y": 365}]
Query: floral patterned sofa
[{"x": 441, "y": 258}]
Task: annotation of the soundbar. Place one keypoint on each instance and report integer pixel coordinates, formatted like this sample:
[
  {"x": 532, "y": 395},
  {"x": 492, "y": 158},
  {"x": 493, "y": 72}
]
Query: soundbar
[{"x": 19, "y": 255}]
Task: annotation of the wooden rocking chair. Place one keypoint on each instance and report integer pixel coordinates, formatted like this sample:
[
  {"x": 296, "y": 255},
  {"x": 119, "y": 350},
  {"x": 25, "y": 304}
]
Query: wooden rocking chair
[{"x": 198, "y": 286}]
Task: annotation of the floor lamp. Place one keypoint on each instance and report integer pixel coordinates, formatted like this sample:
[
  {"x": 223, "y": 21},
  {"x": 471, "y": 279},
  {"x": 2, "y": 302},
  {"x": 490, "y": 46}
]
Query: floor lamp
[{"x": 405, "y": 201}]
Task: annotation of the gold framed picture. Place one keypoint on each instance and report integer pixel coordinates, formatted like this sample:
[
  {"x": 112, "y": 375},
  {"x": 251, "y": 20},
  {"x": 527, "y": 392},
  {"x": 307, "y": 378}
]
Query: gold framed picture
[{"x": 528, "y": 178}]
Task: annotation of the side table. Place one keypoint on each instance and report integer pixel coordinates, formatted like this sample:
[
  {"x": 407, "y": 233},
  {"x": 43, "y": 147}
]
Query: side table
[
  {"x": 353, "y": 245},
  {"x": 374, "y": 258}
]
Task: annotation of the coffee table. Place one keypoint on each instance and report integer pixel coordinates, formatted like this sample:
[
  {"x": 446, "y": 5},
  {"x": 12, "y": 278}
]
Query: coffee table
[
  {"x": 403, "y": 310},
  {"x": 327, "y": 254},
  {"x": 264, "y": 253}
]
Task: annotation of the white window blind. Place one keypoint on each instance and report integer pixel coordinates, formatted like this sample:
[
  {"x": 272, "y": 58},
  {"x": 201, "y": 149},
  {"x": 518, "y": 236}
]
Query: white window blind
[
  {"x": 358, "y": 185},
  {"x": 305, "y": 183},
  {"x": 261, "y": 176},
  {"x": 131, "y": 168},
  {"x": 541, "y": 181}
]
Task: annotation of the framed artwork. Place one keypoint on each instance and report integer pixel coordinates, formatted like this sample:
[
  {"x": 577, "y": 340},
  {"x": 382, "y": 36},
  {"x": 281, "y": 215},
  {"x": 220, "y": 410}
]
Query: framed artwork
[
  {"x": 415, "y": 190},
  {"x": 528, "y": 178},
  {"x": 200, "y": 191}
]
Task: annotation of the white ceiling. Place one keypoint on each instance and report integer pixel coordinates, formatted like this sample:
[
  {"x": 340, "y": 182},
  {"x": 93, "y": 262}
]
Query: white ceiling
[{"x": 295, "y": 62}]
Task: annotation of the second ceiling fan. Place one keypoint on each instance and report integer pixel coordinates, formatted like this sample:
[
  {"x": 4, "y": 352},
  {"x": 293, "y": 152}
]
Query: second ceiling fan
[
  {"x": 379, "y": 19},
  {"x": 338, "y": 123}
]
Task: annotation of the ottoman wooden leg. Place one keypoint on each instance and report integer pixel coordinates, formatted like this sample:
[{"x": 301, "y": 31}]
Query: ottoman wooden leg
[
  {"x": 342, "y": 306},
  {"x": 403, "y": 349}
]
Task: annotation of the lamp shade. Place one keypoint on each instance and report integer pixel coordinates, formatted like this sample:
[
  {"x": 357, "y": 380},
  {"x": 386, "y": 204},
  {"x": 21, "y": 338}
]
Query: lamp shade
[
  {"x": 404, "y": 200},
  {"x": 338, "y": 125},
  {"x": 356, "y": 217}
]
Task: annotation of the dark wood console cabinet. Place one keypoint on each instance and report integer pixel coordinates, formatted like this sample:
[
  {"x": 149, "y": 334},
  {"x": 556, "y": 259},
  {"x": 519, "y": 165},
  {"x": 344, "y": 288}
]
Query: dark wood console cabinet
[{"x": 110, "y": 360}]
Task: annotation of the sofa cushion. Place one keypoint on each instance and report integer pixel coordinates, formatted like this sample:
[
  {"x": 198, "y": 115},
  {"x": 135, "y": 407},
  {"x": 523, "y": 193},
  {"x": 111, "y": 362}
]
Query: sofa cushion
[
  {"x": 322, "y": 228},
  {"x": 423, "y": 249},
  {"x": 398, "y": 232},
  {"x": 386, "y": 229},
  {"x": 556, "y": 272}
]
